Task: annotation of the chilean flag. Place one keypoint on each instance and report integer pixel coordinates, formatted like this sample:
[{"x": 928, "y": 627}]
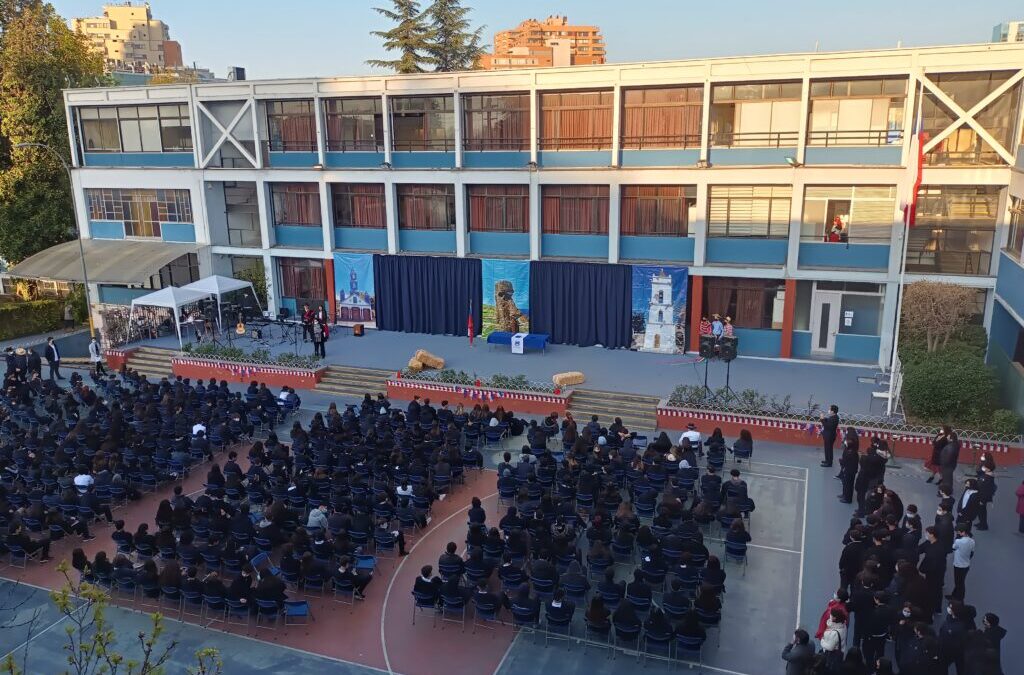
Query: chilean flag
[
  {"x": 469, "y": 324},
  {"x": 918, "y": 140}
]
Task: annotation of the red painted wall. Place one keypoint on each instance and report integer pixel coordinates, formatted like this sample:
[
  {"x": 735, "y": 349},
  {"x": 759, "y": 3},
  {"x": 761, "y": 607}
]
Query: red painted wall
[
  {"x": 533, "y": 404},
  {"x": 116, "y": 358},
  {"x": 272, "y": 376}
]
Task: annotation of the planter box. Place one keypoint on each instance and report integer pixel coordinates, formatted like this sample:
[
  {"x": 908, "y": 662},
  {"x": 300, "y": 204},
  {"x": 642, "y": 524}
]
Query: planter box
[
  {"x": 907, "y": 445},
  {"x": 518, "y": 401},
  {"x": 272, "y": 376},
  {"x": 116, "y": 358}
]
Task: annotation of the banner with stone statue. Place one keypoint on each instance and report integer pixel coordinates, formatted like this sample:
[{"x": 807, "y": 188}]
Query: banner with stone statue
[
  {"x": 506, "y": 296},
  {"x": 354, "y": 296},
  {"x": 659, "y": 308}
]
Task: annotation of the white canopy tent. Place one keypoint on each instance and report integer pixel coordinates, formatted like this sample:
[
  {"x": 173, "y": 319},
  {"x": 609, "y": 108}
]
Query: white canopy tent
[
  {"x": 219, "y": 286},
  {"x": 172, "y": 298}
]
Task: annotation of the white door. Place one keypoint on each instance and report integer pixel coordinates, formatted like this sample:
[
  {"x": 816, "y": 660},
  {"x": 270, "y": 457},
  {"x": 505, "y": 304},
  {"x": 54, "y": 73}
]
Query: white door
[{"x": 825, "y": 311}]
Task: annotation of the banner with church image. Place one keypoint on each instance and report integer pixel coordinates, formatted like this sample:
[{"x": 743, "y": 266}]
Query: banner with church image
[
  {"x": 354, "y": 298},
  {"x": 659, "y": 308},
  {"x": 506, "y": 296}
]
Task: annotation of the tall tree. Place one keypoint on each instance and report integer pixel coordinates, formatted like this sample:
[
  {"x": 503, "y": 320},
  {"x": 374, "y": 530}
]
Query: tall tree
[
  {"x": 410, "y": 37},
  {"x": 452, "y": 44},
  {"x": 39, "y": 56}
]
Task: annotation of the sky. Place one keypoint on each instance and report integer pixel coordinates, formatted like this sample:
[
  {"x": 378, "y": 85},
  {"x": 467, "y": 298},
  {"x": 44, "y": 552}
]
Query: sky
[{"x": 304, "y": 38}]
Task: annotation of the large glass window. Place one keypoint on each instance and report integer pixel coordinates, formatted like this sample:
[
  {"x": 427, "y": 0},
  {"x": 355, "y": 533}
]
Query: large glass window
[
  {"x": 151, "y": 128},
  {"x": 954, "y": 230},
  {"x": 750, "y": 303},
  {"x": 576, "y": 120},
  {"x": 354, "y": 124},
  {"x": 423, "y": 123},
  {"x": 499, "y": 208},
  {"x": 141, "y": 211},
  {"x": 303, "y": 280},
  {"x": 749, "y": 211},
  {"x": 241, "y": 203},
  {"x": 848, "y": 213},
  {"x": 656, "y": 210},
  {"x": 426, "y": 207},
  {"x": 99, "y": 129},
  {"x": 755, "y": 114},
  {"x": 296, "y": 204},
  {"x": 964, "y": 146},
  {"x": 359, "y": 205},
  {"x": 667, "y": 117},
  {"x": 857, "y": 112},
  {"x": 496, "y": 121},
  {"x": 1015, "y": 244},
  {"x": 291, "y": 126},
  {"x": 574, "y": 209}
]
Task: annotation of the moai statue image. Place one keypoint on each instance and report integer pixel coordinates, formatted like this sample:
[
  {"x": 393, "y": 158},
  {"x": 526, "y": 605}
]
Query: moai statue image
[{"x": 506, "y": 314}]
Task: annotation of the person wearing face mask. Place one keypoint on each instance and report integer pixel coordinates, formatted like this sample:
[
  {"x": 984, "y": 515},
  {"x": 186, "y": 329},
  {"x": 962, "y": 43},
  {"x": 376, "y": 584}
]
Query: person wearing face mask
[
  {"x": 963, "y": 552},
  {"x": 933, "y": 567},
  {"x": 838, "y": 602},
  {"x": 953, "y": 636},
  {"x": 903, "y": 628}
]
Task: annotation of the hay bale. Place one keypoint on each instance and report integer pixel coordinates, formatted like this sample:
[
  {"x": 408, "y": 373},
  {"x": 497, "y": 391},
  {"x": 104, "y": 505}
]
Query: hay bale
[
  {"x": 568, "y": 379},
  {"x": 429, "y": 360},
  {"x": 415, "y": 365}
]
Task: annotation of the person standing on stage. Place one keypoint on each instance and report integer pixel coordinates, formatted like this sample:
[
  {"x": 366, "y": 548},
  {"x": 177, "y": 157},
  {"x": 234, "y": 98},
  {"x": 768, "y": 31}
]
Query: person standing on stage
[
  {"x": 307, "y": 323},
  {"x": 96, "y": 356},
  {"x": 319, "y": 333},
  {"x": 829, "y": 431}
]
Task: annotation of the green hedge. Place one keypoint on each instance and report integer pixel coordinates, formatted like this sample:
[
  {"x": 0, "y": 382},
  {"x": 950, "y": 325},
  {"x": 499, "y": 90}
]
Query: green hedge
[{"x": 30, "y": 318}]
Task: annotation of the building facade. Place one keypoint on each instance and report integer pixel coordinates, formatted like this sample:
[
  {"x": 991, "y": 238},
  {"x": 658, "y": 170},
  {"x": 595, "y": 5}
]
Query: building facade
[
  {"x": 552, "y": 42},
  {"x": 1008, "y": 31},
  {"x": 780, "y": 182},
  {"x": 130, "y": 39}
]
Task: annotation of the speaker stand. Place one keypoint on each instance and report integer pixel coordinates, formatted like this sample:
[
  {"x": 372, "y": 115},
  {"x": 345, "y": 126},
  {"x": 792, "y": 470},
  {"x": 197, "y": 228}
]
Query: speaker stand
[
  {"x": 708, "y": 394},
  {"x": 727, "y": 393}
]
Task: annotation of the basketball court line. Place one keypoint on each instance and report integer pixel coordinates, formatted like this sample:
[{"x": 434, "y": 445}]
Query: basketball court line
[{"x": 803, "y": 547}]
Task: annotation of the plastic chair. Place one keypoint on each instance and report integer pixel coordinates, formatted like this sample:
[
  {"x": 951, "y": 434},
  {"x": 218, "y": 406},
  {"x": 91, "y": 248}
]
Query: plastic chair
[
  {"x": 654, "y": 642},
  {"x": 485, "y": 613},
  {"x": 422, "y": 602},
  {"x": 267, "y": 610},
  {"x": 736, "y": 552},
  {"x": 453, "y": 609},
  {"x": 297, "y": 612},
  {"x": 690, "y": 645}
]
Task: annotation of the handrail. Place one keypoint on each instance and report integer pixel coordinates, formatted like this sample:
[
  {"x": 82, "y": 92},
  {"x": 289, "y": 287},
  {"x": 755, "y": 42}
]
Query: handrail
[{"x": 877, "y": 137}]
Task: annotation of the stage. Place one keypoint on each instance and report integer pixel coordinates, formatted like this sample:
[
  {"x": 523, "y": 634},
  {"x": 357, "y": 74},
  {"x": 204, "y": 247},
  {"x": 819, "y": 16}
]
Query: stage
[{"x": 617, "y": 370}]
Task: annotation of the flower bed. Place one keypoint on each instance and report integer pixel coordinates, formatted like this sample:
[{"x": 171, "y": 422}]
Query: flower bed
[
  {"x": 532, "y": 402},
  {"x": 272, "y": 376}
]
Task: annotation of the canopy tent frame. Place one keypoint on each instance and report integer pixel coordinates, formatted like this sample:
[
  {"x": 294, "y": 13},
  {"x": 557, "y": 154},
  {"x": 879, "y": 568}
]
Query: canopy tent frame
[
  {"x": 172, "y": 298},
  {"x": 219, "y": 286}
]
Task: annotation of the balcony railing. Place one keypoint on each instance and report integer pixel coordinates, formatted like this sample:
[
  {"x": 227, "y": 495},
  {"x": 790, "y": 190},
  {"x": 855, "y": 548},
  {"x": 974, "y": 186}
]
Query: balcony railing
[
  {"x": 973, "y": 157},
  {"x": 650, "y": 142},
  {"x": 290, "y": 146},
  {"x": 487, "y": 144},
  {"x": 424, "y": 145},
  {"x": 754, "y": 139},
  {"x": 355, "y": 145},
  {"x": 582, "y": 143},
  {"x": 949, "y": 261},
  {"x": 871, "y": 137}
]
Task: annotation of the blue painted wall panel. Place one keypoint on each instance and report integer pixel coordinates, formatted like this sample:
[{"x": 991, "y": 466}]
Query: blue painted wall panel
[
  {"x": 750, "y": 156},
  {"x": 423, "y": 160},
  {"x": 801, "y": 344},
  {"x": 181, "y": 232},
  {"x": 106, "y": 229},
  {"x": 495, "y": 160},
  {"x": 841, "y": 256},
  {"x": 293, "y": 160},
  {"x": 656, "y": 248},
  {"x": 859, "y": 348},
  {"x": 1003, "y": 331},
  {"x": 1010, "y": 283},
  {"x": 148, "y": 159},
  {"x": 119, "y": 295},
  {"x": 574, "y": 246},
  {"x": 361, "y": 238},
  {"x": 1002, "y": 344},
  {"x": 500, "y": 243},
  {"x": 759, "y": 341},
  {"x": 747, "y": 251},
  {"x": 551, "y": 159},
  {"x": 886, "y": 155},
  {"x": 678, "y": 157},
  {"x": 354, "y": 160},
  {"x": 299, "y": 236},
  {"x": 427, "y": 241}
]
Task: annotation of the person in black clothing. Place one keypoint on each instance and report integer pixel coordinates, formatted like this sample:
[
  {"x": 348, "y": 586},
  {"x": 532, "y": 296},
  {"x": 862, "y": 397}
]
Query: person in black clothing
[
  {"x": 427, "y": 584},
  {"x": 879, "y": 619},
  {"x": 346, "y": 572},
  {"x": 851, "y": 557},
  {"x": 53, "y": 359},
  {"x": 933, "y": 567},
  {"x": 872, "y": 471},
  {"x": 994, "y": 634},
  {"x": 986, "y": 493},
  {"x": 829, "y": 430},
  {"x": 849, "y": 463},
  {"x": 953, "y": 636},
  {"x": 560, "y": 609},
  {"x": 525, "y": 605},
  {"x": 272, "y": 588},
  {"x": 18, "y": 537}
]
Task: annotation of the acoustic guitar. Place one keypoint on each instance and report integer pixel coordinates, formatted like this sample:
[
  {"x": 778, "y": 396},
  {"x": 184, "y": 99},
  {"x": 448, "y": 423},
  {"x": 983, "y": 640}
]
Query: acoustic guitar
[{"x": 240, "y": 328}]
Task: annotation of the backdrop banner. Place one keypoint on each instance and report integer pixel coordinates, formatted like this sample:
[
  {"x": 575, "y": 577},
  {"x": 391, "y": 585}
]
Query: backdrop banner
[
  {"x": 355, "y": 299},
  {"x": 506, "y": 293},
  {"x": 659, "y": 309}
]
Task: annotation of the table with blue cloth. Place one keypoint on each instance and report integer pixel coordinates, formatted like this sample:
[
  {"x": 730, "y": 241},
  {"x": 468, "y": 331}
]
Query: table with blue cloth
[{"x": 531, "y": 341}]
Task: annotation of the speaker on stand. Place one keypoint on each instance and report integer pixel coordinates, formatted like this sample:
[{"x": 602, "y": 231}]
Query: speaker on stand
[
  {"x": 707, "y": 352},
  {"x": 727, "y": 351}
]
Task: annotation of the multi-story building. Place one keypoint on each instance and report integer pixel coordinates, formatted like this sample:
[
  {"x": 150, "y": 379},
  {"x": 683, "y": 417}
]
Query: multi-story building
[
  {"x": 544, "y": 44},
  {"x": 131, "y": 39},
  {"x": 1008, "y": 31},
  {"x": 741, "y": 169}
]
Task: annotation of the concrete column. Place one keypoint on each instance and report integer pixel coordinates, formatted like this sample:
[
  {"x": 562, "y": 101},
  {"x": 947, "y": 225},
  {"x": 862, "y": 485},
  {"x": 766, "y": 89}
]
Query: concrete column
[
  {"x": 326, "y": 217},
  {"x": 461, "y": 222},
  {"x": 795, "y": 219},
  {"x": 805, "y": 99},
  {"x": 258, "y": 141},
  {"x": 616, "y": 124},
  {"x": 909, "y": 112},
  {"x": 391, "y": 212},
  {"x": 321, "y": 141},
  {"x": 614, "y": 207},
  {"x": 272, "y": 295},
  {"x": 387, "y": 127},
  {"x": 696, "y": 301},
  {"x": 788, "y": 313},
  {"x": 534, "y": 124},
  {"x": 266, "y": 214},
  {"x": 705, "y": 121},
  {"x": 329, "y": 286},
  {"x": 888, "y": 328},
  {"x": 535, "y": 215},
  {"x": 699, "y": 227},
  {"x": 458, "y": 131}
]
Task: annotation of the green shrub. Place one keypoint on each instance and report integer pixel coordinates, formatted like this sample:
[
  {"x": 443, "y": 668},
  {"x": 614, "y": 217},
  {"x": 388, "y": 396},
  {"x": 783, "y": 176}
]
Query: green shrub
[
  {"x": 951, "y": 385},
  {"x": 30, "y": 318},
  {"x": 1005, "y": 422}
]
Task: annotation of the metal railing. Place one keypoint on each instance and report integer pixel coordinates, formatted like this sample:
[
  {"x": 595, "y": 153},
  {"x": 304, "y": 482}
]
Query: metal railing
[
  {"x": 948, "y": 261},
  {"x": 755, "y": 139},
  {"x": 581, "y": 143},
  {"x": 356, "y": 145},
  {"x": 651, "y": 142},
  {"x": 877, "y": 137},
  {"x": 424, "y": 145}
]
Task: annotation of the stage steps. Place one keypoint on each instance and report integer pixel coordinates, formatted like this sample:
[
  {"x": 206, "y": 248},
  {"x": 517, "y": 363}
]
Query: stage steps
[
  {"x": 152, "y": 362},
  {"x": 353, "y": 382},
  {"x": 637, "y": 412}
]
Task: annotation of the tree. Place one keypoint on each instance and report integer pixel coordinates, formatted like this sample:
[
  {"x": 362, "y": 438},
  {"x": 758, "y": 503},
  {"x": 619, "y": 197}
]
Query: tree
[
  {"x": 256, "y": 275},
  {"x": 175, "y": 77},
  {"x": 934, "y": 311},
  {"x": 410, "y": 38},
  {"x": 39, "y": 56},
  {"x": 452, "y": 44}
]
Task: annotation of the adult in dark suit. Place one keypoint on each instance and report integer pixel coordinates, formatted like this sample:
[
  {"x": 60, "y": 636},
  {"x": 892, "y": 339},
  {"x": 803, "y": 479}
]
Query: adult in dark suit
[
  {"x": 53, "y": 358},
  {"x": 829, "y": 431},
  {"x": 969, "y": 504},
  {"x": 849, "y": 463},
  {"x": 33, "y": 362}
]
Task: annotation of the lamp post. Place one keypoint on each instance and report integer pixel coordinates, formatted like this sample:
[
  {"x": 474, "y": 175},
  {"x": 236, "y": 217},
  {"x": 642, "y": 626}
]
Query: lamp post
[{"x": 78, "y": 226}]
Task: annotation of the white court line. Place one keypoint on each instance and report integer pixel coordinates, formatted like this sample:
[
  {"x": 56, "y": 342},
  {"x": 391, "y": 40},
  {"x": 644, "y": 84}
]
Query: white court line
[
  {"x": 771, "y": 475},
  {"x": 45, "y": 630},
  {"x": 762, "y": 546},
  {"x": 803, "y": 546},
  {"x": 508, "y": 650}
]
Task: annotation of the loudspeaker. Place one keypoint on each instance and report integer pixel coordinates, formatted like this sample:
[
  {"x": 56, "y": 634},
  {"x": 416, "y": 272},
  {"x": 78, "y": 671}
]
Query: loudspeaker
[
  {"x": 357, "y": 330},
  {"x": 707, "y": 346},
  {"x": 729, "y": 348}
]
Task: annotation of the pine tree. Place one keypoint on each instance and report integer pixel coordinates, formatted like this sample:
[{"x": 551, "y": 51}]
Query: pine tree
[
  {"x": 410, "y": 37},
  {"x": 452, "y": 45}
]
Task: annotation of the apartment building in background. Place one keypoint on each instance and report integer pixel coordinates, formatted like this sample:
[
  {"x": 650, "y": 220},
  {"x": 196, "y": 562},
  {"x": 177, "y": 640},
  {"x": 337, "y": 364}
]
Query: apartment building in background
[
  {"x": 552, "y": 42},
  {"x": 1008, "y": 31},
  {"x": 130, "y": 39}
]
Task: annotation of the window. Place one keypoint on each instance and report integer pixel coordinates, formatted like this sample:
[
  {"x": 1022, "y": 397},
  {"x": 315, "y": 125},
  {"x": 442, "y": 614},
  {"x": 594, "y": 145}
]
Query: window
[
  {"x": 423, "y": 123},
  {"x": 574, "y": 209},
  {"x": 749, "y": 302},
  {"x": 141, "y": 211},
  {"x": 175, "y": 128},
  {"x": 749, "y": 211},
  {"x": 291, "y": 126},
  {"x": 359, "y": 205},
  {"x": 180, "y": 271},
  {"x": 243, "y": 214},
  {"x": 954, "y": 230},
  {"x": 854, "y": 213},
  {"x": 354, "y": 124},
  {"x": 303, "y": 280},
  {"x": 496, "y": 122},
  {"x": 656, "y": 210},
  {"x": 164, "y": 128},
  {"x": 857, "y": 112},
  {"x": 296, "y": 204},
  {"x": 499, "y": 208},
  {"x": 99, "y": 129},
  {"x": 662, "y": 118},
  {"x": 140, "y": 129},
  {"x": 1015, "y": 243},
  {"x": 755, "y": 114},
  {"x": 577, "y": 120},
  {"x": 426, "y": 207},
  {"x": 964, "y": 146}
]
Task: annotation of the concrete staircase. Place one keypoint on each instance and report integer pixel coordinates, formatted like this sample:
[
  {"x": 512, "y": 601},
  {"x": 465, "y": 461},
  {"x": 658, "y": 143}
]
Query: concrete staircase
[
  {"x": 638, "y": 413},
  {"x": 152, "y": 362},
  {"x": 352, "y": 382}
]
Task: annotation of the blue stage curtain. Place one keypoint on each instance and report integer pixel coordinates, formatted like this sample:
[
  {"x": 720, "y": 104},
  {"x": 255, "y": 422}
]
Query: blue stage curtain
[
  {"x": 582, "y": 304},
  {"x": 426, "y": 294}
]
